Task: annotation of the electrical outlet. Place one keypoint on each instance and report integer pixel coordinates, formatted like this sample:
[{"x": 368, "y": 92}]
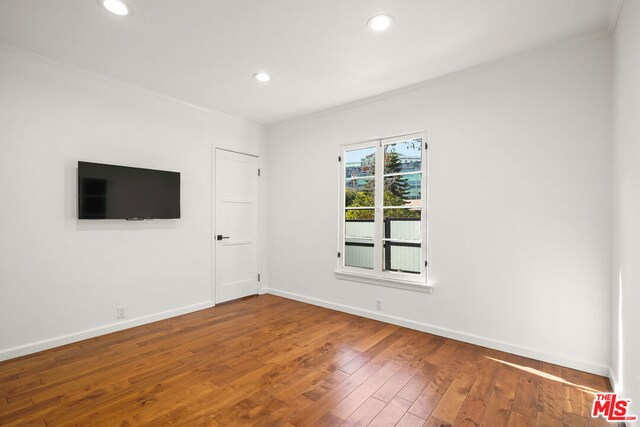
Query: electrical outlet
[
  {"x": 120, "y": 313},
  {"x": 378, "y": 304}
]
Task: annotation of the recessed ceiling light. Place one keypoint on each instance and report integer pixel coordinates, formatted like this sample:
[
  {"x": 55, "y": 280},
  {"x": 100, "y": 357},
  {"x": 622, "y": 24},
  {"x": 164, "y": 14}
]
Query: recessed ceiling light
[
  {"x": 117, "y": 7},
  {"x": 262, "y": 77},
  {"x": 379, "y": 23}
]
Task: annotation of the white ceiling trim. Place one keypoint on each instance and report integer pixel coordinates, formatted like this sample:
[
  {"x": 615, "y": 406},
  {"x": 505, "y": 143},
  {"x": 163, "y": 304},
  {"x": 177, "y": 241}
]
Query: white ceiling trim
[
  {"x": 476, "y": 69},
  {"x": 522, "y": 56},
  {"x": 98, "y": 76}
]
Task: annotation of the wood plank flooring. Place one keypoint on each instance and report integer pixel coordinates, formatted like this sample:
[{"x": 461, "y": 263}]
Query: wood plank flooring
[{"x": 271, "y": 361}]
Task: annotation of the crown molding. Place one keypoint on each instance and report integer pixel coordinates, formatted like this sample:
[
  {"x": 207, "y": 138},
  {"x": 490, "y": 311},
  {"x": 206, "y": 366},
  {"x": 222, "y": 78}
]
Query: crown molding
[
  {"x": 523, "y": 56},
  {"x": 7, "y": 48}
]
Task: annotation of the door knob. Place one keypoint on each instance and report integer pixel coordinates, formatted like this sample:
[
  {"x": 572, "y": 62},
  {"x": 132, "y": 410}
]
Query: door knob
[{"x": 220, "y": 237}]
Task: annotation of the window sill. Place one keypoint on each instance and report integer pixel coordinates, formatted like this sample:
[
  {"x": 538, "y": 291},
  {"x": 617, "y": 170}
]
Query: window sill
[{"x": 383, "y": 281}]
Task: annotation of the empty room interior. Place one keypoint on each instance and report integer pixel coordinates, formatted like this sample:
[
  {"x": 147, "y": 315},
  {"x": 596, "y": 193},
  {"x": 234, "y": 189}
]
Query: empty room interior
[{"x": 320, "y": 213}]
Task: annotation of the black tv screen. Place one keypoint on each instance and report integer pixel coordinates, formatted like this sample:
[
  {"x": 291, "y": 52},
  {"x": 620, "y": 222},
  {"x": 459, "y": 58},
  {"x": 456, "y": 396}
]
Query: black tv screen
[{"x": 121, "y": 192}]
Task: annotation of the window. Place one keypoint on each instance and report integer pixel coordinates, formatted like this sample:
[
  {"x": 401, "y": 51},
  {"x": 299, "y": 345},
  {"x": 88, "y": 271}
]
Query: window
[{"x": 383, "y": 209}]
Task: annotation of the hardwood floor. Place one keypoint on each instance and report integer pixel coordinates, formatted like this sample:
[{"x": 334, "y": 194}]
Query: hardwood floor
[{"x": 271, "y": 361}]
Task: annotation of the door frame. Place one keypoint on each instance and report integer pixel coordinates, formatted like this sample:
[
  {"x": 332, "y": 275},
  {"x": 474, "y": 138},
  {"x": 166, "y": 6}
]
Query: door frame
[{"x": 212, "y": 193}]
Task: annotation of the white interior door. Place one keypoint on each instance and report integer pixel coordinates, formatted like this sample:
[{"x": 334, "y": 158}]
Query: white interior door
[{"x": 236, "y": 225}]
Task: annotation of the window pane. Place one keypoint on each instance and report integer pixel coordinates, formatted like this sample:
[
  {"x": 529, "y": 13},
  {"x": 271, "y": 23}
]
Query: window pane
[
  {"x": 360, "y": 162},
  {"x": 402, "y": 257},
  {"x": 360, "y": 192},
  {"x": 405, "y": 156},
  {"x": 403, "y": 190},
  {"x": 358, "y": 253},
  {"x": 359, "y": 223},
  {"x": 402, "y": 224}
]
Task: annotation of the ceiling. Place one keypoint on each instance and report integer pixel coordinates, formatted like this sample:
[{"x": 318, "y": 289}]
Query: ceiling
[{"x": 319, "y": 52}]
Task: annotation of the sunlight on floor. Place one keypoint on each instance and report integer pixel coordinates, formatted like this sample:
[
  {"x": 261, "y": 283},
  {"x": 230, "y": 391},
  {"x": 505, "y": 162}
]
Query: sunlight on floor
[{"x": 548, "y": 376}]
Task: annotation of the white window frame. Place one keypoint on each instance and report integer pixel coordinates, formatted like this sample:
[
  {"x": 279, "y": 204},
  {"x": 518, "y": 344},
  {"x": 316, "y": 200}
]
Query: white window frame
[{"x": 409, "y": 281}]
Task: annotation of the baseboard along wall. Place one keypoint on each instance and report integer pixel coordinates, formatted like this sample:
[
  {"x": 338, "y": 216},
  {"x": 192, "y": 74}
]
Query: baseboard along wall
[{"x": 582, "y": 365}]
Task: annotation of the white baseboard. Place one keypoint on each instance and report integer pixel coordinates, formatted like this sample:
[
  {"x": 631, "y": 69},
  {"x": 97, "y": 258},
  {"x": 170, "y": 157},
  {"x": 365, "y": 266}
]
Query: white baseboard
[
  {"x": 594, "y": 368},
  {"x": 613, "y": 378},
  {"x": 449, "y": 333},
  {"x": 34, "y": 347}
]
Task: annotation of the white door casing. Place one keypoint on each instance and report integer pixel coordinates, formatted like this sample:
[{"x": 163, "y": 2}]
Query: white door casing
[{"x": 236, "y": 225}]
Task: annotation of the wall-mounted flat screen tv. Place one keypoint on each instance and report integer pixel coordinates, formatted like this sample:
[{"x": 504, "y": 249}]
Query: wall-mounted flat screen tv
[{"x": 121, "y": 192}]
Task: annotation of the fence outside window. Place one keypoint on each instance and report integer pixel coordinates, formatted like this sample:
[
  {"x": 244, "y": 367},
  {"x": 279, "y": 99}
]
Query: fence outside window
[{"x": 399, "y": 256}]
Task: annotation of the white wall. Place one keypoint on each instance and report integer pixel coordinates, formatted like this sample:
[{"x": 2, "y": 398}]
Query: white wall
[
  {"x": 61, "y": 279},
  {"x": 626, "y": 141},
  {"x": 519, "y": 219}
]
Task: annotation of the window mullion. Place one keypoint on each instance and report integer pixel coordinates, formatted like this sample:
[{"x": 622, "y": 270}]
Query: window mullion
[{"x": 379, "y": 202}]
